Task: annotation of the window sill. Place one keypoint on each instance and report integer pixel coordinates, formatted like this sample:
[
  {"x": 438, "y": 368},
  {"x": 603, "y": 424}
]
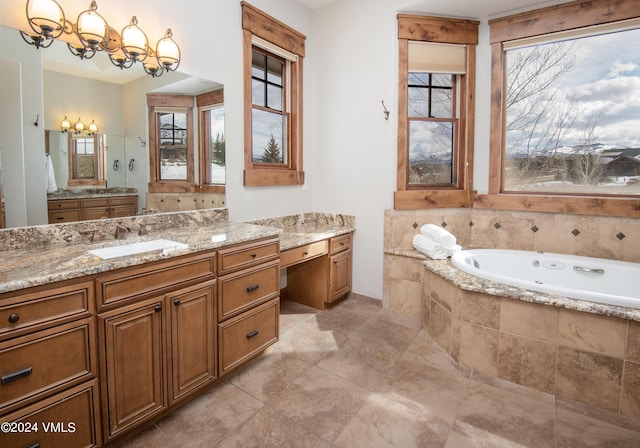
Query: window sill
[
  {"x": 420, "y": 199},
  {"x": 272, "y": 177},
  {"x": 579, "y": 205}
]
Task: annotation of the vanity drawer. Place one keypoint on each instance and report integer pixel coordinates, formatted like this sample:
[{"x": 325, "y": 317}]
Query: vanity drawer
[
  {"x": 74, "y": 410},
  {"x": 303, "y": 253},
  {"x": 130, "y": 284},
  {"x": 340, "y": 243},
  {"x": 44, "y": 362},
  {"x": 37, "y": 310},
  {"x": 95, "y": 202},
  {"x": 247, "y": 334},
  {"x": 124, "y": 200},
  {"x": 62, "y": 204},
  {"x": 243, "y": 256},
  {"x": 64, "y": 216},
  {"x": 239, "y": 292}
]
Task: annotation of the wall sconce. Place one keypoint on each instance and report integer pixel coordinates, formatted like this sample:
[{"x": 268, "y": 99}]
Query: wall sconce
[
  {"x": 92, "y": 33},
  {"x": 46, "y": 19},
  {"x": 65, "y": 125},
  {"x": 79, "y": 127},
  {"x": 93, "y": 127}
]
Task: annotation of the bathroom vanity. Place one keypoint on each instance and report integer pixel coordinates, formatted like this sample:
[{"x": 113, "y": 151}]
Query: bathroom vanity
[
  {"x": 89, "y": 204},
  {"x": 94, "y": 348}
]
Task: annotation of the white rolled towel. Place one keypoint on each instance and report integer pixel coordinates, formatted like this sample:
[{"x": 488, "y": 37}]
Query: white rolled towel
[
  {"x": 436, "y": 233},
  {"x": 433, "y": 249}
]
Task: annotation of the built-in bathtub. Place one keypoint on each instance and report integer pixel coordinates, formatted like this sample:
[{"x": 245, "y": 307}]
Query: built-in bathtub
[
  {"x": 586, "y": 278},
  {"x": 578, "y": 350}
]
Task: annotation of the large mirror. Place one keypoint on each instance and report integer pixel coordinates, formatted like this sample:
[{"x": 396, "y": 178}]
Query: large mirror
[{"x": 91, "y": 91}]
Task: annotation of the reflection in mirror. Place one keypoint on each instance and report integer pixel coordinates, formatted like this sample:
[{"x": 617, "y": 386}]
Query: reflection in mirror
[
  {"x": 93, "y": 90},
  {"x": 86, "y": 160},
  {"x": 172, "y": 126}
]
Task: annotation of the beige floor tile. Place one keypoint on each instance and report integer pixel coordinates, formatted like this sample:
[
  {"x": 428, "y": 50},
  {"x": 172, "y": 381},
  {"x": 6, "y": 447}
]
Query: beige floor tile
[
  {"x": 308, "y": 341},
  {"x": 153, "y": 437},
  {"x": 463, "y": 435},
  {"x": 575, "y": 430},
  {"x": 293, "y": 313},
  {"x": 423, "y": 349},
  {"x": 210, "y": 416},
  {"x": 320, "y": 402},
  {"x": 269, "y": 375},
  {"x": 269, "y": 429},
  {"x": 361, "y": 363},
  {"x": 384, "y": 422},
  {"x": 385, "y": 335},
  {"x": 512, "y": 416},
  {"x": 435, "y": 392}
]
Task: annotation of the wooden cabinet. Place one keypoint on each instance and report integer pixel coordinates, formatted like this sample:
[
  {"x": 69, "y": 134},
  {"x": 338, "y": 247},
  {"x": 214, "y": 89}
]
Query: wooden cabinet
[
  {"x": 248, "y": 301},
  {"x": 155, "y": 352},
  {"x": 67, "y": 210},
  {"x": 48, "y": 366},
  {"x": 132, "y": 362},
  {"x": 324, "y": 279}
]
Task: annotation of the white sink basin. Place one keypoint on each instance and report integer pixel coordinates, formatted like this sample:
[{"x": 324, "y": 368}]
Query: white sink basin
[{"x": 137, "y": 248}]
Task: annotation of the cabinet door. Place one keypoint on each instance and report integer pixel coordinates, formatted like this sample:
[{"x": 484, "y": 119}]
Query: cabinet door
[
  {"x": 133, "y": 363},
  {"x": 340, "y": 277},
  {"x": 95, "y": 213},
  {"x": 192, "y": 339}
]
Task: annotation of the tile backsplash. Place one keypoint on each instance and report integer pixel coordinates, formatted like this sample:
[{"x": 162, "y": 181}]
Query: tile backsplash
[{"x": 594, "y": 236}]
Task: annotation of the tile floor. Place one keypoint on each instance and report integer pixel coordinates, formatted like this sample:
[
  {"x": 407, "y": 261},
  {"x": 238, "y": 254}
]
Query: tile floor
[{"x": 361, "y": 376}]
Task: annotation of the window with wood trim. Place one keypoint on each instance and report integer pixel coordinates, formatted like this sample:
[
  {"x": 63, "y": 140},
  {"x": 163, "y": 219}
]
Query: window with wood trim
[
  {"x": 86, "y": 160},
  {"x": 273, "y": 57},
  {"x": 212, "y": 141},
  {"x": 550, "y": 154},
  {"x": 435, "y": 111},
  {"x": 171, "y": 150}
]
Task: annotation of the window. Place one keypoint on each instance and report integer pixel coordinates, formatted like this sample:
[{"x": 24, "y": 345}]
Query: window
[
  {"x": 86, "y": 160},
  {"x": 273, "y": 56},
  {"x": 563, "y": 136},
  {"x": 171, "y": 152},
  {"x": 435, "y": 122},
  {"x": 212, "y": 141}
]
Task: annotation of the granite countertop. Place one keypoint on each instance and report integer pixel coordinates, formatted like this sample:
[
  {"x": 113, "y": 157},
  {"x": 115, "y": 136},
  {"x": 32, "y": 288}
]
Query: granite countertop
[
  {"x": 23, "y": 268},
  {"x": 91, "y": 193},
  {"x": 469, "y": 282},
  {"x": 39, "y": 255}
]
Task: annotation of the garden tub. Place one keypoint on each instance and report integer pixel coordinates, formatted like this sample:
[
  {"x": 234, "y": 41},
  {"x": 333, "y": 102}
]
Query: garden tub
[{"x": 596, "y": 280}]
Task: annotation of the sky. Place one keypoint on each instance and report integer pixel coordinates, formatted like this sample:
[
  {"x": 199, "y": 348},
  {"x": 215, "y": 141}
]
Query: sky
[{"x": 605, "y": 84}]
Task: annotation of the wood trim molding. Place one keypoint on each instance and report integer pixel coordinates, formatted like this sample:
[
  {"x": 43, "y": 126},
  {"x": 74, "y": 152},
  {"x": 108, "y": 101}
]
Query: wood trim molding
[
  {"x": 437, "y": 29},
  {"x": 271, "y": 29},
  {"x": 579, "y": 205},
  {"x": 422, "y": 199},
  {"x": 577, "y": 14}
]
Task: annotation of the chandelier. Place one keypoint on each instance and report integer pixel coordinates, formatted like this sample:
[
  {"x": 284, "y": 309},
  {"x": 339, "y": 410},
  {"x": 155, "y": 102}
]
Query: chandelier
[{"x": 91, "y": 33}]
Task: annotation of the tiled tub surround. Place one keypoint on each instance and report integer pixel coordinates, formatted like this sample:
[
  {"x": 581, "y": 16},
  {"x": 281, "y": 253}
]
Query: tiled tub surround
[{"x": 573, "y": 349}]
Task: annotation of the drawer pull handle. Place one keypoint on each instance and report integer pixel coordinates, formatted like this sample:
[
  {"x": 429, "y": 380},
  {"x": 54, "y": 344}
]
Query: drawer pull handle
[
  {"x": 253, "y": 255},
  {"x": 252, "y": 288},
  {"x": 176, "y": 302},
  {"x": 252, "y": 334},
  {"x": 13, "y": 318},
  {"x": 305, "y": 253},
  {"x": 11, "y": 377},
  {"x": 157, "y": 308},
  {"x": 35, "y": 445}
]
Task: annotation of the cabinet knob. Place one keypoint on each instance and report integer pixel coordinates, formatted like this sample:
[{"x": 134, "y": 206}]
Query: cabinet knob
[
  {"x": 13, "y": 318},
  {"x": 305, "y": 253},
  {"x": 253, "y": 255},
  {"x": 176, "y": 302},
  {"x": 157, "y": 308}
]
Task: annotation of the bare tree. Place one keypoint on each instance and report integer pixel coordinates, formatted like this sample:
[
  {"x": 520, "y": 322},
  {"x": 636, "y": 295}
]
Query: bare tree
[{"x": 538, "y": 115}]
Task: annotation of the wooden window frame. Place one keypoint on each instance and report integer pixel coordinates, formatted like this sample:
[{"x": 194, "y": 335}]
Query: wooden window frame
[
  {"x": 99, "y": 160},
  {"x": 156, "y": 185},
  {"x": 205, "y": 100},
  {"x": 450, "y": 31},
  {"x": 257, "y": 23},
  {"x": 573, "y": 15}
]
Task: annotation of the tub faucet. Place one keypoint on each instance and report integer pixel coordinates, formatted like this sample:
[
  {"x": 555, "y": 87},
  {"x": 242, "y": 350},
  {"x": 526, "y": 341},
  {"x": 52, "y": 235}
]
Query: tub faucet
[{"x": 121, "y": 231}]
